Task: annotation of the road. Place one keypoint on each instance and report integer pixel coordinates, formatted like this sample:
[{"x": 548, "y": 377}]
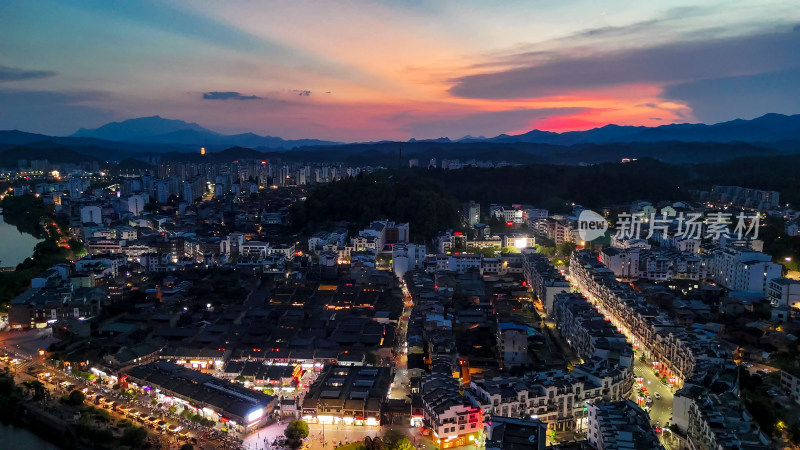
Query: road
[
  {"x": 27, "y": 343},
  {"x": 661, "y": 409},
  {"x": 400, "y": 386},
  {"x": 334, "y": 434}
]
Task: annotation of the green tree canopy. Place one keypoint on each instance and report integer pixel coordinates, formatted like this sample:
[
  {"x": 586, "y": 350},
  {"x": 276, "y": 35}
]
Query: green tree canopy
[
  {"x": 402, "y": 444},
  {"x": 134, "y": 437},
  {"x": 296, "y": 430},
  {"x": 76, "y": 398}
]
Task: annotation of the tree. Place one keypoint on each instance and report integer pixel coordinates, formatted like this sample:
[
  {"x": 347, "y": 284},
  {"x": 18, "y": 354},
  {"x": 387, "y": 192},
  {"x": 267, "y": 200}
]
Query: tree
[
  {"x": 391, "y": 437},
  {"x": 36, "y": 386},
  {"x": 375, "y": 443},
  {"x": 296, "y": 430},
  {"x": 403, "y": 444},
  {"x": 76, "y": 398},
  {"x": 372, "y": 358},
  {"x": 134, "y": 437},
  {"x": 565, "y": 249},
  {"x": 546, "y": 250}
]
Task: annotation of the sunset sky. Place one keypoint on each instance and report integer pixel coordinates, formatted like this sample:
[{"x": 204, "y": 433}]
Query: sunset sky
[{"x": 366, "y": 70}]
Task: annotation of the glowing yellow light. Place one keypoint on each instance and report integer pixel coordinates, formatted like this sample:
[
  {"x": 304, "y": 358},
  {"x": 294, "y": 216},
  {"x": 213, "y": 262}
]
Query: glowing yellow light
[{"x": 202, "y": 150}]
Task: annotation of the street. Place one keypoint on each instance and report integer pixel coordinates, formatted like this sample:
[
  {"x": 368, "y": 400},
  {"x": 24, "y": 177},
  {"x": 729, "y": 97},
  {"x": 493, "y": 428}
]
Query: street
[
  {"x": 661, "y": 409},
  {"x": 334, "y": 434},
  {"x": 400, "y": 387}
]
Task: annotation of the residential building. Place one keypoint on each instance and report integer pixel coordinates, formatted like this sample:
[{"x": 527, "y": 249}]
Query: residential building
[
  {"x": 620, "y": 425},
  {"x": 507, "y": 433},
  {"x": 451, "y": 416},
  {"x": 743, "y": 270},
  {"x": 350, "y": 395},
  {"x": 790, "y": 382},
  {"x": 512, "y": 344},
  {"x": 784, "y": 292}
]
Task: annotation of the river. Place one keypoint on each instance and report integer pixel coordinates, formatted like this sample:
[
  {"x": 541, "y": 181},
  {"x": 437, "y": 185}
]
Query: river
[
  {"x": 15, "y": 246},
  {"x": 22, "y": 439}
]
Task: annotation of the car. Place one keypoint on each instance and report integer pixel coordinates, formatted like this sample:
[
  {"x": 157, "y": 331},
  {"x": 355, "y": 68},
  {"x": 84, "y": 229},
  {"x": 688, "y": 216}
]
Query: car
[
  {"x": 174, "y": 428},
  {"x": 657, "y": 396}
]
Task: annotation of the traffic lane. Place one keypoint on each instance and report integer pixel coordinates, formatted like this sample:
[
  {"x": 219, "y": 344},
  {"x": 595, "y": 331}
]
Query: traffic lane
[{"x": 660, "y": 409}]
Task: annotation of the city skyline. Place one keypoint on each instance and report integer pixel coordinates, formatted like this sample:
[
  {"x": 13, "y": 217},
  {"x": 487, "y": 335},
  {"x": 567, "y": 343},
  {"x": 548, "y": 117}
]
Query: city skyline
[{"x": 371, "y": 70}]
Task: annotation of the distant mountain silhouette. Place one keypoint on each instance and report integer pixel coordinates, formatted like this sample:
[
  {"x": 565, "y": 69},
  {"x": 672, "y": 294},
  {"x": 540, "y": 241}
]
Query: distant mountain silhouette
[
  {"x": 767, "y": 128},
  {"x": 138, "y": 129},
  {"x": 16, "y": 137},
  {"x": 156, "y": 129},
  {"x": 42, "y": 150},
  {"x": 177, "y": 140}
]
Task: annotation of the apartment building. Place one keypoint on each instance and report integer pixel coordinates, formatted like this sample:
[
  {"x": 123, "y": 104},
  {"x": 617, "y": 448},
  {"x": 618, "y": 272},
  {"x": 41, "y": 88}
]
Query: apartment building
[
  {"x": 743, "y": 270},
  {"x": 620, "y": 425},
  {"x": 784, "y": 292},
  {"x": 512, "y": 344},
  {"x": 790, "y": 382},
  {"x": 544, "y": 280},
  {"x": 557, "y": 398},
  {"x": 503, "y": 433},
  {"x": 452, "y": 417},
  {"x": 655, "y": 265},
  {"x": 716, "y": 419},
  {"x": 588, "y": 333},
  {"x": 678, "y": 352}
]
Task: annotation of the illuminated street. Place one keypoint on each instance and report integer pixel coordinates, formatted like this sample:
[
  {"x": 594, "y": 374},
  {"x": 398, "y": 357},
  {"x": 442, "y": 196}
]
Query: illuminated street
[{"x": 661, "y": 409}]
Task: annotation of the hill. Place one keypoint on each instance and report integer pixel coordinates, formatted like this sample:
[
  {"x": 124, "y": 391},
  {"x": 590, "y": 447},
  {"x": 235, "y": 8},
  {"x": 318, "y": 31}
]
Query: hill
[
  {"x": 49, "y": 151},
  {"x": 138, "y": 129},
  {"x": 158, "y": 130},
  {"x": 767, "y": 128}
]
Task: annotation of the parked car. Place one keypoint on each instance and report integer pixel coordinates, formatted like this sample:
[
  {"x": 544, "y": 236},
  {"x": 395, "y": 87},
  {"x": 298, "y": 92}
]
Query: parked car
[{"x": 658, "y": 396}]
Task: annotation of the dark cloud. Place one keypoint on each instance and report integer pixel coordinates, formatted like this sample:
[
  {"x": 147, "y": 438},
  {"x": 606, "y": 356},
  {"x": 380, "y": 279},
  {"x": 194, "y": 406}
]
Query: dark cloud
[
  {"x": 301, "y": 92},
  {"x": 663, "y": 64},
  {"x": 485, "y": 123},
  {"x": 14, "y": 74},
  {"x": 714, "y": 100},
  {"x": 216, "y": 95},
  {"x": 49, "y": 112},
  {"x": 584, "y": 41}
]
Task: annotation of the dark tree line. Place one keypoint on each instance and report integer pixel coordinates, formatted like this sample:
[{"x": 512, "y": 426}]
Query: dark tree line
[{"x": 401, "y": 197}]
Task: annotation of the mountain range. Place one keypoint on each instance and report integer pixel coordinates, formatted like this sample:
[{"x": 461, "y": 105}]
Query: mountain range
[
  {"x": 156, "y": 138},
  {"x": 156, "y": 129},
  {"x": 767, "y": 128}
]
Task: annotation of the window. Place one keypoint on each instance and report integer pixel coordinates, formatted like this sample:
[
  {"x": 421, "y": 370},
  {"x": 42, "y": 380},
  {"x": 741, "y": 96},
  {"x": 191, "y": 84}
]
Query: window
[{"x": 461, "y": 427}]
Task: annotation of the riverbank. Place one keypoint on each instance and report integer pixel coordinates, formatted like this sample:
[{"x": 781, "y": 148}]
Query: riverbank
[
  {"x": 17, "y": 437},
  {"x": 17, "y": 245}
]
